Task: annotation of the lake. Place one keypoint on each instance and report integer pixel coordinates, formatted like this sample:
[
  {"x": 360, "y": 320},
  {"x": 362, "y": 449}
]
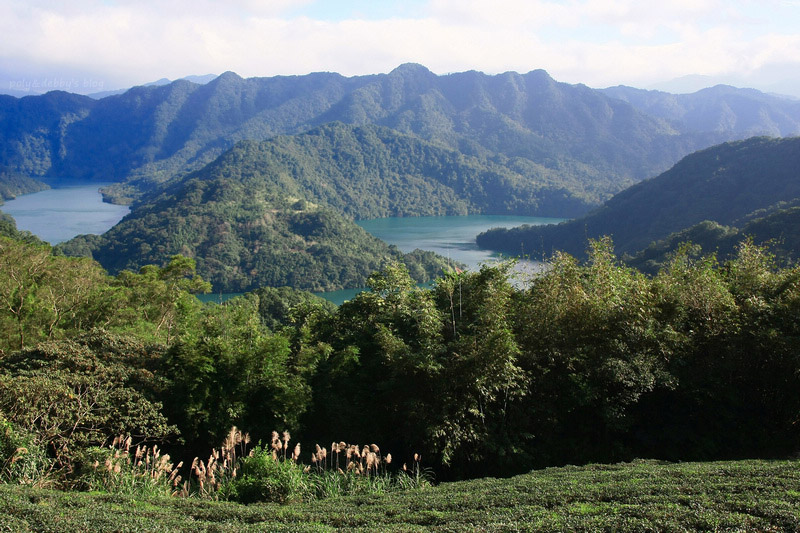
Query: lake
[
  {"x": 56, "y": 215},
  {"x": 452, "y": 237}
]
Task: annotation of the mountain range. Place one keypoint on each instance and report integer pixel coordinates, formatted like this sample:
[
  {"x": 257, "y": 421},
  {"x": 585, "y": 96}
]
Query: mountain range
[
  {"x": 260, "y": 179},
  {"x": 593, "y": 139}
]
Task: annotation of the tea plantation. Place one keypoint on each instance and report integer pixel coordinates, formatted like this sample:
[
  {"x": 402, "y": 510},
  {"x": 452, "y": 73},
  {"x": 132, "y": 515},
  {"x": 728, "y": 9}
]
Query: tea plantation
[{"x": 638, "y": 496}]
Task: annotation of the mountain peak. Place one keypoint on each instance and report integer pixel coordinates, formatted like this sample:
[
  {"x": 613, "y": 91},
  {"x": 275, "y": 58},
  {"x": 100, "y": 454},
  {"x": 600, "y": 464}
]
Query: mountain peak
[
  {"x": 227, "y": 76},
  {"x": 412, "y": 69}
]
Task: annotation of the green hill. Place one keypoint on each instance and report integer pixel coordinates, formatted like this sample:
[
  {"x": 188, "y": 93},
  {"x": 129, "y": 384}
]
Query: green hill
[
  {"x": 13, "y": 184},
  {"x": 780, "y": 229},
  {"x": 243, "y": 240},
  {"x": 724, "y": 184},
  {"x": 269, "y": 214}
]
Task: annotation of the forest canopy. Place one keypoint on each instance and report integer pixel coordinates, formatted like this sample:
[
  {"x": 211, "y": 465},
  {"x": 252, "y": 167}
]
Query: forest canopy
[{"x": 587, "y": 361}]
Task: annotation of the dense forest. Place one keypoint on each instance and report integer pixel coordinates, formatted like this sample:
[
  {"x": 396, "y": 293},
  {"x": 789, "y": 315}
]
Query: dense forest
[
  {"x": 730, "y": 185},
  {"x": 585, "y": 362},
  {"x": 270, "y": 214},
  {"x": 13, "y": 184}
]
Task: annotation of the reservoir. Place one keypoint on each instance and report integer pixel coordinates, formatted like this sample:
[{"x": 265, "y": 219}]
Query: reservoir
[
  {"x": 450, "y": 236},
  {"x": 56, "y": 215}
]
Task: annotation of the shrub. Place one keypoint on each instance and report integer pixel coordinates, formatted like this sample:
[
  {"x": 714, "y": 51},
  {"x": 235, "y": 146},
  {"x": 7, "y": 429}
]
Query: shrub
[{"x": 263, "y": 477}]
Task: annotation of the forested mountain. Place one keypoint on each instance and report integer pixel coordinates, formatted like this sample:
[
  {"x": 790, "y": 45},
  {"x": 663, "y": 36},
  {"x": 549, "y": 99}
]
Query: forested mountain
[
  {"x": 780, "y": 229},
  {"x": 722, "y": 108},
  {"x": 372, "y": 171},
  {"x": 13, "y": 184},
  {"x": 724, "y": 184},
  {"x": 521, "y": 121},
  {"x": 269, "y": 214}
]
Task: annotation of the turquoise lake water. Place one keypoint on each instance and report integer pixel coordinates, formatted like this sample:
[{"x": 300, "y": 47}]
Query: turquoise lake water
[
  {"x": 58, "y": 214},
  {"x": 452, "y": 237}
]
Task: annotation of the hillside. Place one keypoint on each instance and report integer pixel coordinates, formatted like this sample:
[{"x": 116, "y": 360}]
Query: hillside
[
  {"x": 780, "y": 229},
  {"x": 722, "y": 184},
  {"x": 642, "y": 496},
  {"x": 269, "y": 214},
  {"x": 524, "y": 122},
  {"x": 13, "y": 184},
  {"x": 372, "y": 172}
]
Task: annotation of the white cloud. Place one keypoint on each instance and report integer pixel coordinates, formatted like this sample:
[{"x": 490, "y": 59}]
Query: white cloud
[{"x": 598, "y": 42}]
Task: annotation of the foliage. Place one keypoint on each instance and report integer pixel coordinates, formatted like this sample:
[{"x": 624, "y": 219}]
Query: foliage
[
  {"x": 352, "y": 469},
  {"x": 49, "y": 297},
  {"x": 42, "y": 295},
  {"x": 638, "y": 496},
  {"x": 22, "y": 459},
  {"x": 276, "y": 305},
  {"x": 263, "y": 476},
  {"x": 586, "y": 361},
  {"x": 158, "y": 300},
  {"x": 71, "y": 395},
  {"x": 273, "y": 473},
  {"x": 590, "y": 362},
  {"x": 724, "y": 184},
  {"x": 228, "y": 369}
]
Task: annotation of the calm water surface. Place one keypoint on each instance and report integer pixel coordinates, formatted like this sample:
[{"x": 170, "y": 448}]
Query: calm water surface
[
  {"x": 56, "y": 215},
  {"x": 452, "y": 237}
]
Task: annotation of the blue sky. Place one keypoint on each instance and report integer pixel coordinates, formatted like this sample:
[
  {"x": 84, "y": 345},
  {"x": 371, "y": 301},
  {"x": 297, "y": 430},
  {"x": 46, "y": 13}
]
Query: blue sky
[{"x": 107, "y": 44}]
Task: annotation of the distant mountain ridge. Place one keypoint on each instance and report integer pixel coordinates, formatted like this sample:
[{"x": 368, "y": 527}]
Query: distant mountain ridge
[
  {"x": 200, "y": 80},
  {"x": 721, "y": 108},
  {"x": 729, "y": 184},
  {"x": 524, "y": 122}
]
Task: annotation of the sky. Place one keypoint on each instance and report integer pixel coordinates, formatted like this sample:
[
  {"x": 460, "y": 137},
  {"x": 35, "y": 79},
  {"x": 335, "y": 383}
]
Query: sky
[{"x": 97, "y": 45}]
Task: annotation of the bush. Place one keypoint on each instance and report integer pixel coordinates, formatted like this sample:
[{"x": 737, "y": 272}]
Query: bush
[{"x": 265, "y": 478}]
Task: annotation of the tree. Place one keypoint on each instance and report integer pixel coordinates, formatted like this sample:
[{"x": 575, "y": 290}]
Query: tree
[
  {"x": 74, "y": 394},
  {"x": 229, "y": 370}
]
